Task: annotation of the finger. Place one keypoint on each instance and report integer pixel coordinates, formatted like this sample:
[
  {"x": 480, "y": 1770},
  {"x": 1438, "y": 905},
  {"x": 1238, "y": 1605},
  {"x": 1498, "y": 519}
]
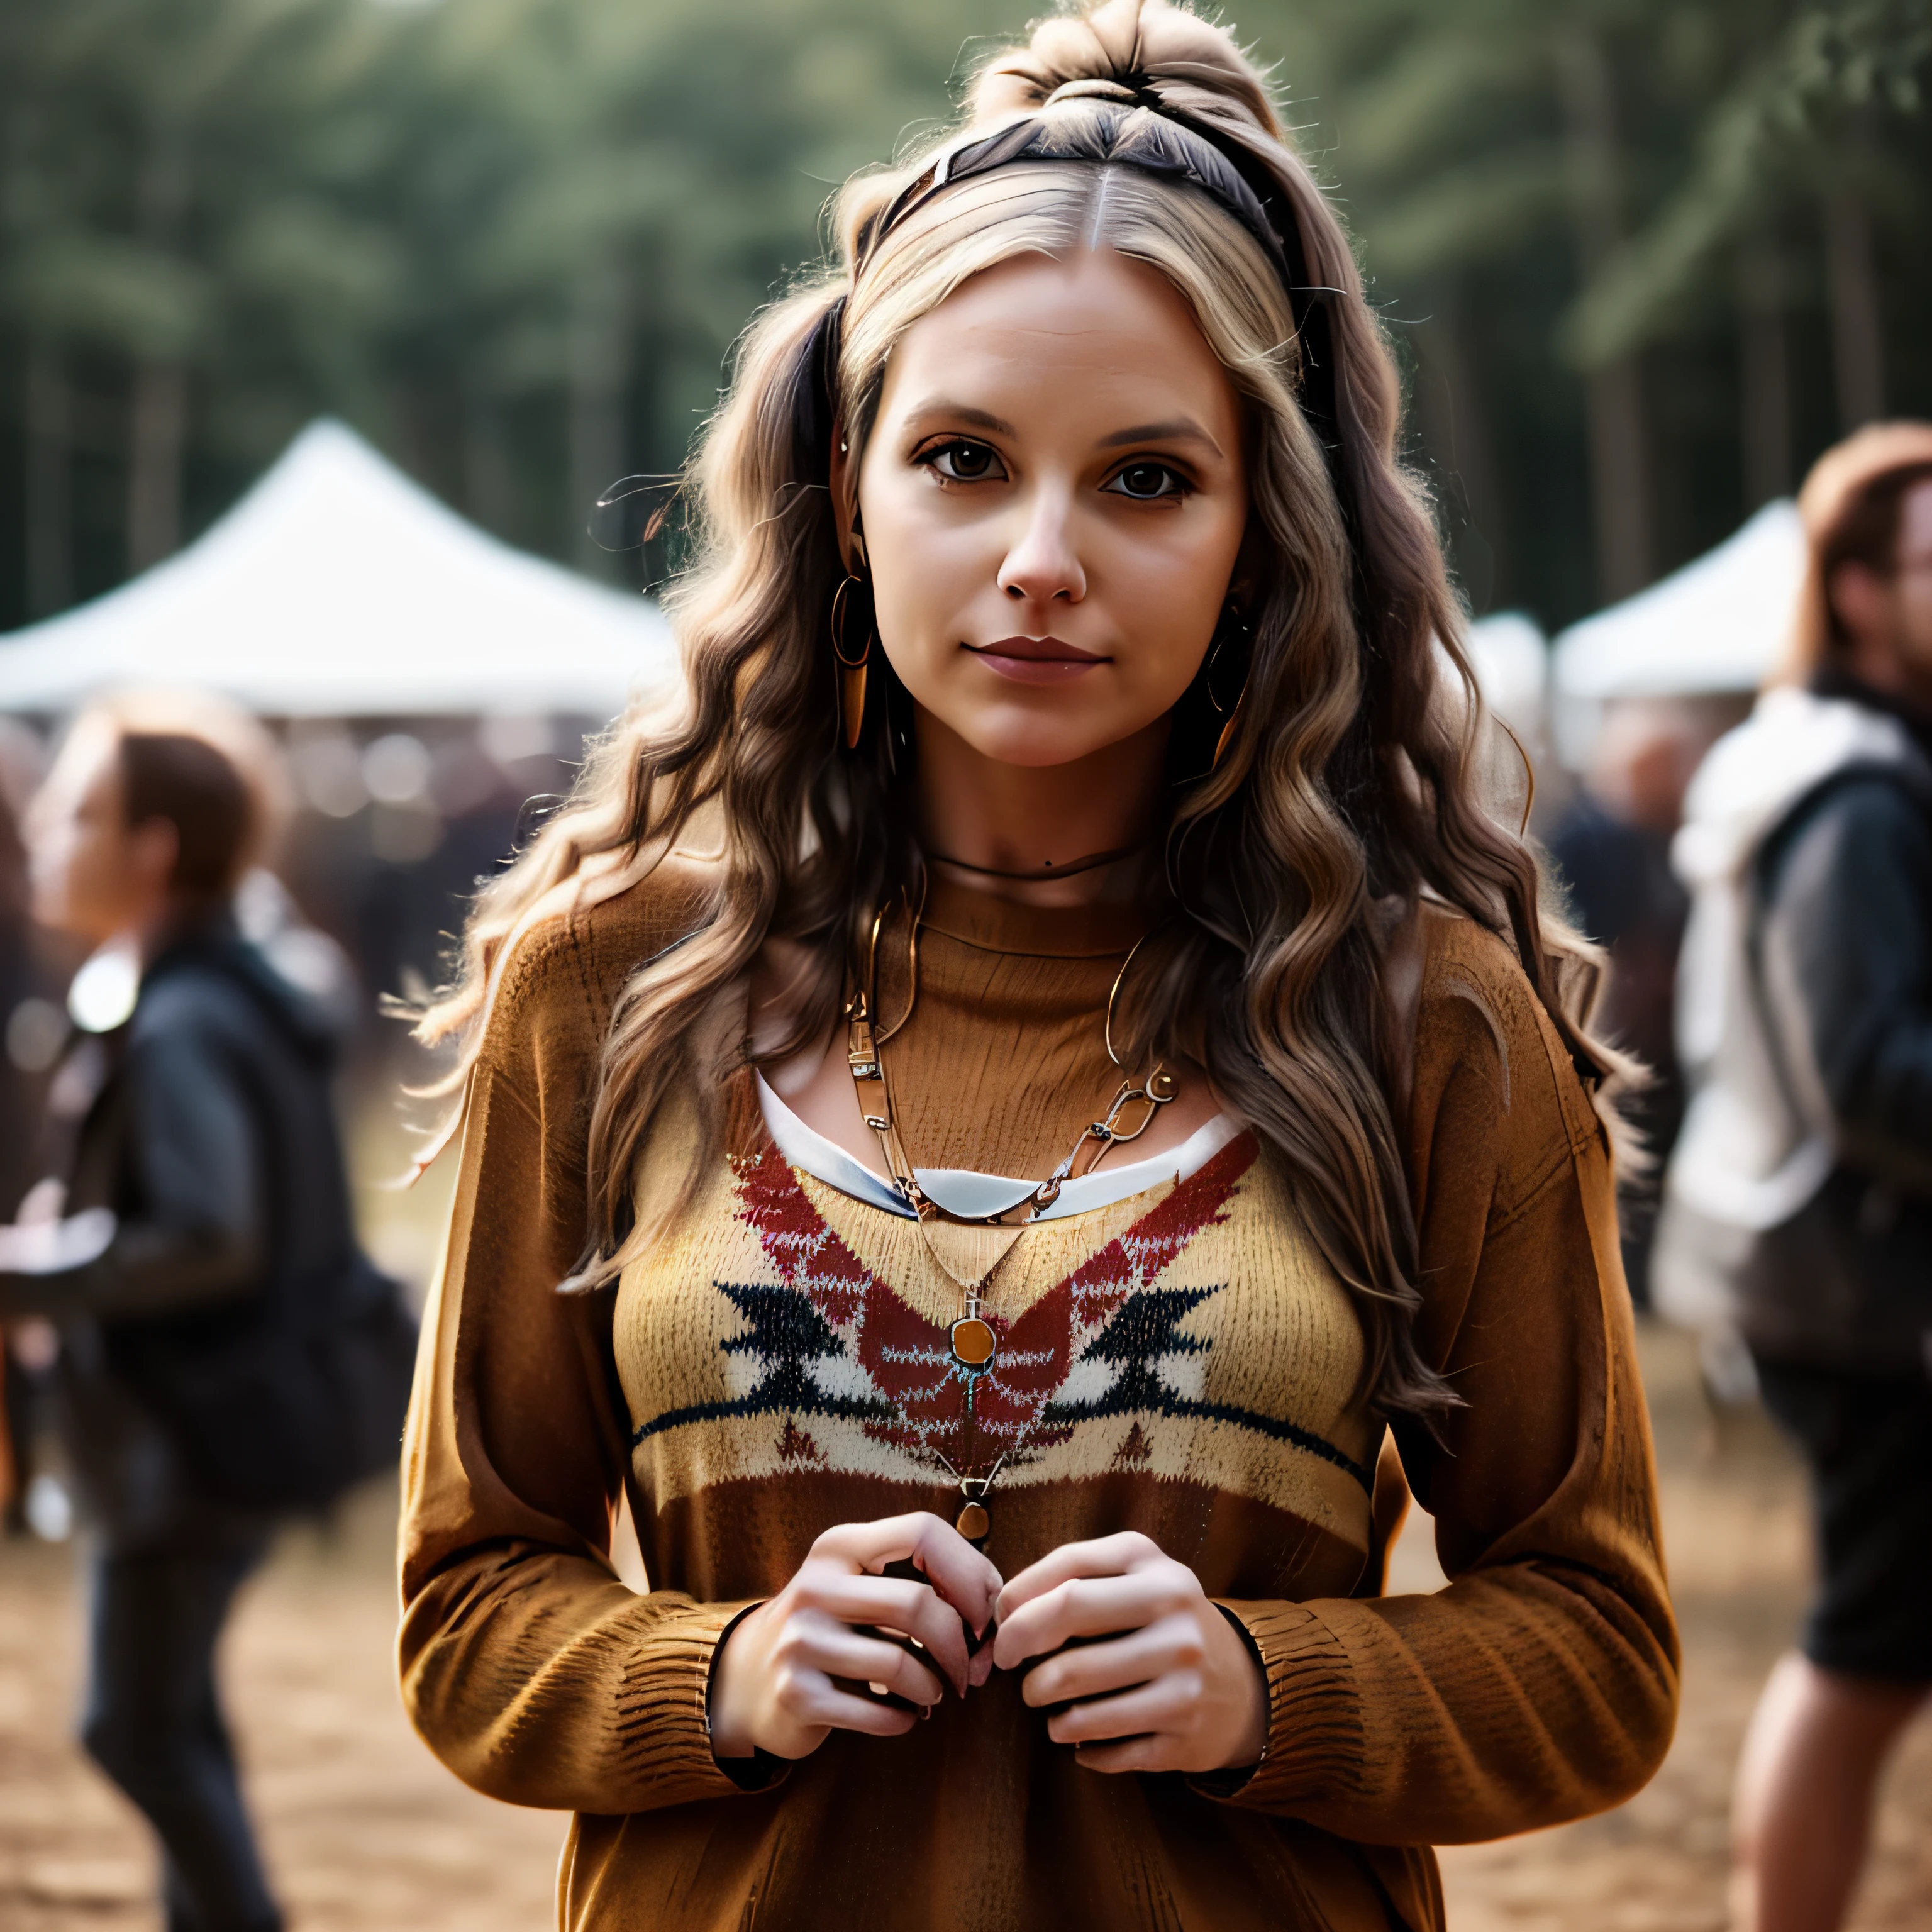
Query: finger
[
  {"x": 960, "y": 1573},
  {"x": 891, "y": 1539},
  {"x": 1163, "y": 1706},
  {"x": 1103, "y": 1556},
  {"x": 979, "y": 1666},
  {"x": 836, "y": 1652},
  {"x": 963, "y": 1576},
  {"x": 1092, "y": 1670},
  {"x": 826, "y": 1707},
  {"x": 913, "y": 1609},
  {"x": 1155, "y": 1753},
  {"x": 1084, "y": 1607}
]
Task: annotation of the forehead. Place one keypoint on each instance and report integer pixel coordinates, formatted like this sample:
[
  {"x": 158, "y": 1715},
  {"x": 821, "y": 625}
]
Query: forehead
[
  {"x": 88, "y": 766},
  {"x": 1094, "y": 328},
  {"x": 1915, "y": 520}
]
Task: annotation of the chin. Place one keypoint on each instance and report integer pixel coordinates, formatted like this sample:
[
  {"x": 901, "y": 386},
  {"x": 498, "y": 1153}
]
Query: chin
[{"x": 1038, "y": 742}]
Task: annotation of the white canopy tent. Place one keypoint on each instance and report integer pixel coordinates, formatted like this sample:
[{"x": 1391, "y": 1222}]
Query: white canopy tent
[
  {"x": 338, "y": 588},
  {"x": 1511, "y": 658},
  {"x": 1715, "y": 627}
]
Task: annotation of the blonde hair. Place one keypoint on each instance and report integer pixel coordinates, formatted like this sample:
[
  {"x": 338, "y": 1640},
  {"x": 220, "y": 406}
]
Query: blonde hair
[{"x": 1349, "y": 785}]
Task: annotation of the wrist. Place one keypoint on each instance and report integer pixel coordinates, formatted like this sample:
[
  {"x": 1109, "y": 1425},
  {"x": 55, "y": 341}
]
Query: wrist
[
  {"x": 1251, "y": 1746},
  {"x": 729, "y": 1729}
]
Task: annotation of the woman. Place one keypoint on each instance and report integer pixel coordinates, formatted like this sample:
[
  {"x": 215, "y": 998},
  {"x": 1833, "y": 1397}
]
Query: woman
[{"x": 976, "y": 1134}]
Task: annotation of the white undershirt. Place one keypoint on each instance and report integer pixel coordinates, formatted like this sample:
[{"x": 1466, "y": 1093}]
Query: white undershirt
[{"x": 806, "y": 1149}]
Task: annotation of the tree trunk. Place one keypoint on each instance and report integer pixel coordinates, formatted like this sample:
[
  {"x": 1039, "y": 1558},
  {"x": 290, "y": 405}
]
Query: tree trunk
[
  {"x": 1619, "y": 478},
  {"x": 596, "y": 420},
  {"x": 1448, "y": 403},
  {"x": 489, "y": 482},
  {"x": 157, "y": 442},
  {"x": 50, "y": 481},
  {"x": 1765, "y": 374},
  {"x": 1858, "y": 345},
  {"x": 1613, "y": 398},
  {"x": 157, "y": 410}
]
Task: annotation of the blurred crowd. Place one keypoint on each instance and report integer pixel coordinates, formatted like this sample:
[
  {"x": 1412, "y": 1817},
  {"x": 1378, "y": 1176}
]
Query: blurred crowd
[
  {"x": 197, "y": 1348},
  {"x": 1764, "y": 895}
]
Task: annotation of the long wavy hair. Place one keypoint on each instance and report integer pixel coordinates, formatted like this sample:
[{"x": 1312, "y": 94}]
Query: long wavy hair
[{"x": 1350, "y": 787}]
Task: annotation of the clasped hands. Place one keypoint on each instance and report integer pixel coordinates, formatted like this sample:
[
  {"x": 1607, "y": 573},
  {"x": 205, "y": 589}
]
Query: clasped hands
[{"x": 1157, "y": 1678}]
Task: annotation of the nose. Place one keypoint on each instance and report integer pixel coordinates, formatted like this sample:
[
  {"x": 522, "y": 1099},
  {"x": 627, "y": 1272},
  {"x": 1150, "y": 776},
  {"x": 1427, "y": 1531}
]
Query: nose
[{"x": 1042, "y": 565}]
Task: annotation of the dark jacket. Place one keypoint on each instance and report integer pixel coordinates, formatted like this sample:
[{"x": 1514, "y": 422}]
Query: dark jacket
[
  {"x": 201, "y": 1357},
  {"x": 1827, "y": 1058}
]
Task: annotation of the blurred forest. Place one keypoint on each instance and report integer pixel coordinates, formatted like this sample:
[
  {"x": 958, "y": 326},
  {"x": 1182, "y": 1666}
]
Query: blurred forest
[{"x": 1642, "y": 258}]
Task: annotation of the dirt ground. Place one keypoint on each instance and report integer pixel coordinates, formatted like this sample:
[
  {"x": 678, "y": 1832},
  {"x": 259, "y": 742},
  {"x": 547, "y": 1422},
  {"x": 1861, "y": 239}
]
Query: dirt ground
[{"x": 366, "y": 1833}]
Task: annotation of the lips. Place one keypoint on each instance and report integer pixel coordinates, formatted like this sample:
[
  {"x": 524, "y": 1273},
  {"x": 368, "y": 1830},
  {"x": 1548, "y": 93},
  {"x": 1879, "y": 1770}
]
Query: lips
[{"x": 1036, "y": 660}]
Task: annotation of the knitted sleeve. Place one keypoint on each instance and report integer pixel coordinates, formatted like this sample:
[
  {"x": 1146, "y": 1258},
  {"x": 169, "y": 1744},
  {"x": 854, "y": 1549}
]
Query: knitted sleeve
[
  {"x": 529, "y": 1668},
  {"x": 1541, "y": 1684}
]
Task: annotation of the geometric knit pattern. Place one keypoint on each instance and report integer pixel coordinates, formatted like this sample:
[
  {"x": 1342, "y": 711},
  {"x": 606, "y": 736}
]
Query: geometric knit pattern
[{"x": 1191, "y": 1333}]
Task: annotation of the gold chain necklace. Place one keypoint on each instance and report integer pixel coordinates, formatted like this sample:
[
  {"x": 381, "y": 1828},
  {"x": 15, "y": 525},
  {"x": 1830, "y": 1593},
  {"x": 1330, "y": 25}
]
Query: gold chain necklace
[{"x": 973, "y": 1344}]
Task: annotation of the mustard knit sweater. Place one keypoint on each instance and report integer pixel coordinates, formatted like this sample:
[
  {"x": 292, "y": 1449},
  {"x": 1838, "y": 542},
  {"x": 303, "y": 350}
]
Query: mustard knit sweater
[{"x": 1182, "y": 1363}]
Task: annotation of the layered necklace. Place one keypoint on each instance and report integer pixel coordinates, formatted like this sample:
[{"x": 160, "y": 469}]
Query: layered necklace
[{"x": 978, "y": 1201}]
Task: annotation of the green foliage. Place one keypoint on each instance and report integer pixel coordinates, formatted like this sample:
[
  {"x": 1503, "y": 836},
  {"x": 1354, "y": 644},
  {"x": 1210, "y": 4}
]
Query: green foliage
[
  {"x": 1777, "y": 127},
  {"x": 421, "y": 216},
  {"x": 513, "y": 240}
]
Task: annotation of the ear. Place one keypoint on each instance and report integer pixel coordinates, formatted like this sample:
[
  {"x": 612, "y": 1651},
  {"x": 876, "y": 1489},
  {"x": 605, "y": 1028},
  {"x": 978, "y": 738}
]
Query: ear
[{"x": 844, "y": 480}]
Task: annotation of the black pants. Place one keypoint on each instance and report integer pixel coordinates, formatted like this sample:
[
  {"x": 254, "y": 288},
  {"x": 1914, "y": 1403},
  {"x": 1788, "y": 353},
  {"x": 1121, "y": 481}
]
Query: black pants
[
  {"x": 154, "y": 1724},
  {"x": 1868, "y": 1439}
]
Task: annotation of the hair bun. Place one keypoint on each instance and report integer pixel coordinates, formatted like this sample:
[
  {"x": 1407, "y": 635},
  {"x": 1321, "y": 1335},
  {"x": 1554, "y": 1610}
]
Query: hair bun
[
  {"x": 1126, "y": 50},
  {"x": 1090, "y": 90}
]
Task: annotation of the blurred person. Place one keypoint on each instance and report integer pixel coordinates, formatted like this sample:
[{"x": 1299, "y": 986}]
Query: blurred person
[
  {"x": 1612, "y": 848},
  {"x": 1798, "y": 1205},
  {"x": 1064, "y": 692},
  {"x": 24, "y": 1061},
  {"x": 221, "y": 1335}
]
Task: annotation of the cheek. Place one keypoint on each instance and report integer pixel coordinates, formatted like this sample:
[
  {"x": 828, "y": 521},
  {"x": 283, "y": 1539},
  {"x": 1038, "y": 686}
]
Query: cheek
[
  {"x": 925, "y": 576},
  {"x": 1167, "y": 587},
  {"x": 1917, "y": 602},
  {"x": 82, "y": 871},
  {"x": 1172, "y": 595}
]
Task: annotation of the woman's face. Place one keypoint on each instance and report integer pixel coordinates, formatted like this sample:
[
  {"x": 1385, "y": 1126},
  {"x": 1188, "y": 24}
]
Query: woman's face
[{"x": 1052, "y": 502}]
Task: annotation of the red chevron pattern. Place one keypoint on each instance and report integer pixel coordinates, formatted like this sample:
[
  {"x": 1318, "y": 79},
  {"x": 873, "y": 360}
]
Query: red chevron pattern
[{"x": 971, "y": 1421}]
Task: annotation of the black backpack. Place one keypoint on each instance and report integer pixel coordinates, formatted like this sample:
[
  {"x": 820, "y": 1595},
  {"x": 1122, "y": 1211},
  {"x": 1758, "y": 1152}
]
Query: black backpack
[
  {"x": 287, "y": 1399},
  {"x": 289, "y": 1416}
]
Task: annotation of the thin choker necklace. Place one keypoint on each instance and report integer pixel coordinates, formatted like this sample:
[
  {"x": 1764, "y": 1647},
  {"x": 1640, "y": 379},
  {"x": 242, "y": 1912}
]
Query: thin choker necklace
[{"x": 1092, "y": 861}]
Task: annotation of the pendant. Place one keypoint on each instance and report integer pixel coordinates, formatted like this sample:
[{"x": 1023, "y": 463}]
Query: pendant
[
  {"x": 974, "y": 1519},
  {"x": 974, "y": 1344}
]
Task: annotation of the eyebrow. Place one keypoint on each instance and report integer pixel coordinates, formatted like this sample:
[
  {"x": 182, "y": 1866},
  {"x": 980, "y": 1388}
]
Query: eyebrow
[
  {"x": 1183, "y": 429},
  {"x": 939, "y": 406},
  {"x": 1176, "y": 428}
]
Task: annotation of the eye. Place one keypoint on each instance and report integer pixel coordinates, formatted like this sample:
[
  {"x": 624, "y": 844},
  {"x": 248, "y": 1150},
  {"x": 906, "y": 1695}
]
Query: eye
[
  {"x": 960, "y": 461},
  {"x": 1146, "y": 482}
]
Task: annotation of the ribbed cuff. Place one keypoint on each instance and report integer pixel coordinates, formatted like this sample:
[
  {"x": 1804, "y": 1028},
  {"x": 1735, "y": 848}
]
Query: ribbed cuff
[
  {"x": 1315, "y": 1738},
  {"x": 662, "y": 1720}
]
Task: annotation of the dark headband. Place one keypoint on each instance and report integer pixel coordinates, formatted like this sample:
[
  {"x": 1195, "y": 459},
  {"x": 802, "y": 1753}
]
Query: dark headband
[{"x": 1165, "y": 141}]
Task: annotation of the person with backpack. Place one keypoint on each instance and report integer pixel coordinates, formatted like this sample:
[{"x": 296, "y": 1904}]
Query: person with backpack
[
  {"x": 1798, "y": 1213},
  {"x": 228, "y": 1355}
]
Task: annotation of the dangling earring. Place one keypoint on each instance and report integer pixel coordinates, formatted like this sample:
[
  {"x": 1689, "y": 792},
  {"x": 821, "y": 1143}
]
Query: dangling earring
[
  {"x": 851, "y": 670},
  {"x": 1231, "y": 623}
]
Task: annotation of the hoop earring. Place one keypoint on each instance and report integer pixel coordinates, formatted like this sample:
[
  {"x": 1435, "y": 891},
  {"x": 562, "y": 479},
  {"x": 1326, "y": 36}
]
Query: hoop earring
[
  {"x": 1232, "y": 623},
  {"x": 851, "y": 670}
]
